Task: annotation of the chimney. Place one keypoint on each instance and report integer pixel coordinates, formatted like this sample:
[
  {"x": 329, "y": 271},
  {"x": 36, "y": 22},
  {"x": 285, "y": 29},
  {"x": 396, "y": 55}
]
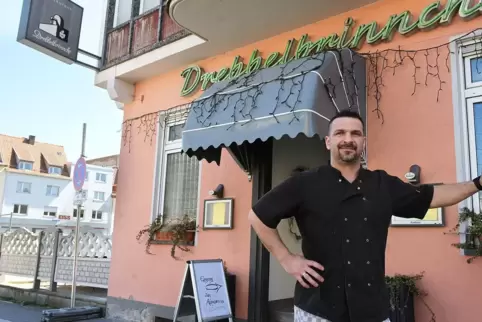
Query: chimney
[{"x": 31, "y": 139}]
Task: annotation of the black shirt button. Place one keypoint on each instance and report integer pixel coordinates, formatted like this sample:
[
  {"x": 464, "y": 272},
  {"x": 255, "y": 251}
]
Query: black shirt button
[
  {"x": 367, "y": 240},
  {"x": 366, "y": 219},
  {"x": 358, "y": 188},
  {"x": 364, "y": 199},
  {"x": 349, "y": 262},
  {"x": 338, "y": 286},
  {"x": 368, "y": 262},
  {"x": 346, "y": 219},
  {"x": 369, "y": 284},
  {"x": 339, "y": 180},
  {"x": 347, "y": 240},
  {"x": 349, "y": 285}
]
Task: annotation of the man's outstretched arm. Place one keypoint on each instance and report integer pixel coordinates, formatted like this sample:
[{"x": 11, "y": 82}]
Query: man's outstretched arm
[{"x": 451, "y": 194}]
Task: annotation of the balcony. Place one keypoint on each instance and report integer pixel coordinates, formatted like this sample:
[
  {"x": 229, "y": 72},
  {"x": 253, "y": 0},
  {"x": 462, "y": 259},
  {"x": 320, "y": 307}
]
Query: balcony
[
  {"x": 235, "y": 23},
  {"x": 142, "y": 45},
  {"x": 139, "y": 35}
]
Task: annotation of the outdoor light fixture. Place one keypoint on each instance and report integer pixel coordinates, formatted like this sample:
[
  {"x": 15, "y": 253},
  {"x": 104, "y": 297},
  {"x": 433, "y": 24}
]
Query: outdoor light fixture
[
  {"x": 413, "y": 175},
  {"x": 218, "y": 192}
]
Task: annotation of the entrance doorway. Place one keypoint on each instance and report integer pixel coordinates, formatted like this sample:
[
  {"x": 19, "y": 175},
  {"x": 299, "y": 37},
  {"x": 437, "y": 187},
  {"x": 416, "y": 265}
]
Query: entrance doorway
[{"x": 288, "y": 154}]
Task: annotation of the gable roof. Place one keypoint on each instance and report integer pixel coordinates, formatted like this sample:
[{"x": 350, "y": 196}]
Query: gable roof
[{"x": 27, "y": 149}]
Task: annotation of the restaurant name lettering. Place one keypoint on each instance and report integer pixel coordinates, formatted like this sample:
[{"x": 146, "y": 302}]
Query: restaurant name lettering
[{"x": 432, "y": 16}]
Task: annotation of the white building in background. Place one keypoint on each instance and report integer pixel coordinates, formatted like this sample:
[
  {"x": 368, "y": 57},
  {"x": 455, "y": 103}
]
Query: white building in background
[
  {"x": 96, "y": 212},
  {"x": 36, "y": 190},
  {"x": 34, "y": 182}
]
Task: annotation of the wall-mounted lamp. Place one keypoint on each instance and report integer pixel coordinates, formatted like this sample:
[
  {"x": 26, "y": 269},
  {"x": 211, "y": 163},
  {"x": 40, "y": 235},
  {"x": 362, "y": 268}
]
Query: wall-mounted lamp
[
  {"x": 218, "y": 192},
  {"x": 413, "y": 175}
]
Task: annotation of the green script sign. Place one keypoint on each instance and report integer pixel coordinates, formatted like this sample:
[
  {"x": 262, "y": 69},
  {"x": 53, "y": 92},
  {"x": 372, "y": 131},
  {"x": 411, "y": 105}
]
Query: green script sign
[{"x": 430, "y": 17}]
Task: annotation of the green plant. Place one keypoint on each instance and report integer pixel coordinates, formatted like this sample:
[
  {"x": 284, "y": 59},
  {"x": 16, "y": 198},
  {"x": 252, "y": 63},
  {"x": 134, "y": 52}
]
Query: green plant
[
  {"x": 151, "y": 231},
  {"x": 177, "y": 227},
  {"x": 399, "y": 282},
  {"x": 473, "y": 233}
]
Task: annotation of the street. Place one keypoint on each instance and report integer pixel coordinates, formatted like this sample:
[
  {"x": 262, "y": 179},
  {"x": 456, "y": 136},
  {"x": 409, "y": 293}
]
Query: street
[{"x": 11, "y": 312}]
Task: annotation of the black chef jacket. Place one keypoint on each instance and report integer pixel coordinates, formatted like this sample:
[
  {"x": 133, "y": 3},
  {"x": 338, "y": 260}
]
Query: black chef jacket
[{"x": 344, "y": 227}]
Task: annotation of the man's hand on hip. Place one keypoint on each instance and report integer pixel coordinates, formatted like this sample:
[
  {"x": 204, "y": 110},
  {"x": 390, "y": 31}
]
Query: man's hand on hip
[{"x": 302, "y": 270}]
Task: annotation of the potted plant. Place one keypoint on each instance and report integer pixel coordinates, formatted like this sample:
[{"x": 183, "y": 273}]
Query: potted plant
[
  {"x": 402, "y": 290},
  {"x": 473, "y": 234},
  {"x": 178, "y": 231}
]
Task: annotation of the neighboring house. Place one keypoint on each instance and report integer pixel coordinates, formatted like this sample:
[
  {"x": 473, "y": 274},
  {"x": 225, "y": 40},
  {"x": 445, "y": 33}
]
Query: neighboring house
[
  {"x": 33, "y": 181},
  {"x": 113, "y": 162},
  {"x": 96, "y": 212}
]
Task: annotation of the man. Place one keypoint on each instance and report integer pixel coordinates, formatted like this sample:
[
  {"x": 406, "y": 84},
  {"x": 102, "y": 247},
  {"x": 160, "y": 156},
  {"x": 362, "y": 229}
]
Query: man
[{"x": 343, "y": 213}]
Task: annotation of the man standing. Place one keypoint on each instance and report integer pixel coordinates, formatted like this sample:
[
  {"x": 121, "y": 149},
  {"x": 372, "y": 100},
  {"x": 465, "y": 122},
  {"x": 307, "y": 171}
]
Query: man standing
[{"x": 343, "y": 213}]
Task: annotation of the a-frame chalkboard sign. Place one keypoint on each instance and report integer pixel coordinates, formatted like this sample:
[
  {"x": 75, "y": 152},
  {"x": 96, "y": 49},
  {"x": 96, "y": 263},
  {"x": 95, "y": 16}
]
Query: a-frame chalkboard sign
[{"x": 204, "y": 292}]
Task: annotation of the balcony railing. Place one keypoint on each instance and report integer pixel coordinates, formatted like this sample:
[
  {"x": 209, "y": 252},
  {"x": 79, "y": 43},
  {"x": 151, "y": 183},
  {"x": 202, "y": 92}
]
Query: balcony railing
[{"x": 141, "y": 34}]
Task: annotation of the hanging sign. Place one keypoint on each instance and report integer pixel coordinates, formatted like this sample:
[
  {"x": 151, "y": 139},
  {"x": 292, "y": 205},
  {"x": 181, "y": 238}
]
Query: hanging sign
[
  {"x": 432, "y": 16},
  {"x": 51, "y": 27},
  {"x": 204, "y": 293}
]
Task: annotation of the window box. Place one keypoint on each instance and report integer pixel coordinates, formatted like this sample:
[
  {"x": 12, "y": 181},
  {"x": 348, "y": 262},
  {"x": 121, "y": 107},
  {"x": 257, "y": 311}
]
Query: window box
[
  {"x": 168, "y": 236},
  {"x": 178, "y": 232}
]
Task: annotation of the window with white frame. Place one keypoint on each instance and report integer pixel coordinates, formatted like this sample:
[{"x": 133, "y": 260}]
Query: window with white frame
[
  {"x": 179, "y": 184},
  {"x": 55, "y": 170},
  {"x": 101, "y": 177},
  {"x": 99, "y": 196},
  {"x": 96, "y": 214},
  {"x": 50, "y": 211},
  {"x": 52, "y": 191},
  {"x": 24, "y": 187},
  {"x": 24, "y": 165},
  {"x": 86, "y": 176},
  {"x": 123, "y": 9},
  {"x": 20, "y": 209},
  {"x": 470, "y": 79},
  {"x": 81, "y": 213}
]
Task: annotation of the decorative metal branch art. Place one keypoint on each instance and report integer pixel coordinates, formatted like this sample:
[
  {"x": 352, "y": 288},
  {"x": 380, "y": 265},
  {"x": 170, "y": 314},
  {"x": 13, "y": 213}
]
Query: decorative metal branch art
[{"x": 426, "y": 64}]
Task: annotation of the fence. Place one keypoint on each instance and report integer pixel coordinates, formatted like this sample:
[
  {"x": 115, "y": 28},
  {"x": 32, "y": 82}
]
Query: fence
[{"x": 48, "y": 256}]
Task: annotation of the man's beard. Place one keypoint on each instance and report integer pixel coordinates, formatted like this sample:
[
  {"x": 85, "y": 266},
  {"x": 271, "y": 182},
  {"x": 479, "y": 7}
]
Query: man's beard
[{"x": 348, "y": 158}]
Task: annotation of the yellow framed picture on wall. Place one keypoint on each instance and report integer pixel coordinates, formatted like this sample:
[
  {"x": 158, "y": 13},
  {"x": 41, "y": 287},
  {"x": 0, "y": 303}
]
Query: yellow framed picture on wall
[
  {"x": 218, "y": 213},
  {"x": 433, "y": 218}
]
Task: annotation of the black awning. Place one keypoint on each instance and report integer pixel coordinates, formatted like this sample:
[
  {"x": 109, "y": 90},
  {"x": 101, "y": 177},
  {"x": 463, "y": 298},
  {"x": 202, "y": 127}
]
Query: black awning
[{"x": 296, "y": 98}]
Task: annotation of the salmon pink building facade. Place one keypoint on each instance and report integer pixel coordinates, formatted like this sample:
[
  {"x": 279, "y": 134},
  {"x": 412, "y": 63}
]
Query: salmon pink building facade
[{"x": 239, "y": 93}]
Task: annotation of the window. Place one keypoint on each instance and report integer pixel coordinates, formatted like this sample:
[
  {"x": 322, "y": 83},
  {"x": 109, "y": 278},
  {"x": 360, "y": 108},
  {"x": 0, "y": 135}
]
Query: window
[
  {"x": 23, "y": 165},
  {"x": 55, "y": 170},
  {"x": 24, "y": 187},
  {"x": 96, "y": 214},
  {"x": 81, "y": 213},
  {"x": 123, "y": 9},
  {"x": 20, "y": 209},
  {"x": 179, "y": 184},
  {"x": 50, "y": 211},
  {"x": 147, "y": 5},
  {"x": 101, "y": 177},
  {"x": 86, "y": 175},
  {"x": 52, "y": 191},
  {"x": 99, "y": 196},
  {"x": 470, "y": 81}
]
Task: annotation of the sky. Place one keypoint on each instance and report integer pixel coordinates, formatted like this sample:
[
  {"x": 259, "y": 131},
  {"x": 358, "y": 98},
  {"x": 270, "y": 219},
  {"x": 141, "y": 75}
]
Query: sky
[{"x": 45, "y": 97}]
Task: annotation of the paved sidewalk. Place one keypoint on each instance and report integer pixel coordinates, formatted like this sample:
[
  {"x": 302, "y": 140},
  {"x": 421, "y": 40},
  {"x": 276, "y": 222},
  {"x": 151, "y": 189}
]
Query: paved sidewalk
[{"x": 11, "y": 312}]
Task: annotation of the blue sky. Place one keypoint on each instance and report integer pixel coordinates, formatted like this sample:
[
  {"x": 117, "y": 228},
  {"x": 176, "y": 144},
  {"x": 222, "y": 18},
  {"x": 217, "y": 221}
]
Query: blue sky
[{"x": 44, "y": 97}]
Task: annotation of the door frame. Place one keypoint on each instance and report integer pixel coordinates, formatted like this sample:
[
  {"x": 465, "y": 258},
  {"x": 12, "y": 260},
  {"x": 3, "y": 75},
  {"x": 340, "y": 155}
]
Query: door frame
[{"x": 259, "y": 258}]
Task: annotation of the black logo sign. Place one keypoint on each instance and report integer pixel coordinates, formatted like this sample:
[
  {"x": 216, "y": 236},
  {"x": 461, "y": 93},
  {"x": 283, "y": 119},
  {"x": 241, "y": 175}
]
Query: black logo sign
[{"x": 56, "y": 28}]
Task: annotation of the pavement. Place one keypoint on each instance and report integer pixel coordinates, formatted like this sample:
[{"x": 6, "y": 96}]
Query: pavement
[{"x": 12, "y": 312}]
